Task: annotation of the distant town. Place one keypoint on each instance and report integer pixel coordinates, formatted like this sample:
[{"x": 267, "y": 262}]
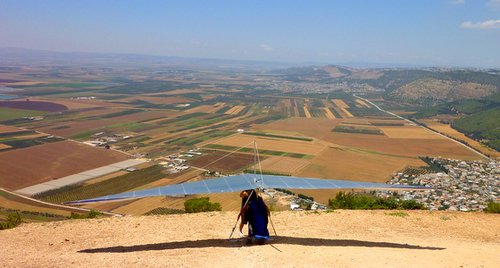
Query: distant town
[{"x": 462, "y": 186}]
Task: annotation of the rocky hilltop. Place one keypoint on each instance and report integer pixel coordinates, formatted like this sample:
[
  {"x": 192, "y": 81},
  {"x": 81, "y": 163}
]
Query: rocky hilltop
[{"x": 335, "y": 239}]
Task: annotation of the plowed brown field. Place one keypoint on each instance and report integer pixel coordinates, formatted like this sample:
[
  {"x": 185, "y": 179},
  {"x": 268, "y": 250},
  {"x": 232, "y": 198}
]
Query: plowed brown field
[
  {"x": 41, "y": 163},
  {"x": 290, "y": 146},
  {"x": 222, "y": 162}
]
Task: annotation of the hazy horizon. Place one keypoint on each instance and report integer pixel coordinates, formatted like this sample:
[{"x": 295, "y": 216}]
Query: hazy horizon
[{"x": 444, "y": 33}]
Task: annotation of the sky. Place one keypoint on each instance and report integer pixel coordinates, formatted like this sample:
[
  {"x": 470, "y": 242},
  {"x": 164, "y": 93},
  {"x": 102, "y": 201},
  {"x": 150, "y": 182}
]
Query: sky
[{"x": 459, "y": 33}]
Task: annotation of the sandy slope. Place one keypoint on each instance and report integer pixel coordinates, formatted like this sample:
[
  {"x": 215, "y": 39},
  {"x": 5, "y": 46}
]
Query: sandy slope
[{"x": 337, "y": 239}]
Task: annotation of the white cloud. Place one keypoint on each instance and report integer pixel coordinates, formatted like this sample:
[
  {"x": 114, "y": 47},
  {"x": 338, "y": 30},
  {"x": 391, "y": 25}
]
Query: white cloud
[
  {"x": 489, "y": 24},
  {"x": 266, "y": 47},
  {"x": 457, "y": 2},
  {"x": 493, "y": 3}
]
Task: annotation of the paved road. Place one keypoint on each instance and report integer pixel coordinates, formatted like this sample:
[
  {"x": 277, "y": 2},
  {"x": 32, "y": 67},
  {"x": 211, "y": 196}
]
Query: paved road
[{"x": 428, "y": 129}]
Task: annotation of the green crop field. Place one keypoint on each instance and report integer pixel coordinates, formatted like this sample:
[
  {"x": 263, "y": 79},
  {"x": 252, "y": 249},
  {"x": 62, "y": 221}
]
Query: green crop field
[
  {"x": 16, "y": 143},
  {"x": 9, "y": 113},
  {"x": 277, "y": 136},
  {"x": 354, "y": 130},
  {"x": 118, "y": 184},
  {"x": 121, "y": 113}
]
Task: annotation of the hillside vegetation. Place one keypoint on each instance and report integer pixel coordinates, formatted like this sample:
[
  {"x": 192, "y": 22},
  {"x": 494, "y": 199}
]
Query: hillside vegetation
[
  {"x": 430, "y": 90},
  {"x": 484, "y": 125},
  {"x": 479, "y": 119}
]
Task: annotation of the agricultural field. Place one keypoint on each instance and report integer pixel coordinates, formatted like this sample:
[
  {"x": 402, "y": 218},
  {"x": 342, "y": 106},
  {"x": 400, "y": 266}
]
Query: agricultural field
[
  {"x": 407, "y": 147},
  {"x": 446, "y": 129},
  {"x": 27, "y": 166},
  {"x": 284, "y": 165},
  {"x": 318, "y": 128},
  {"x": 12, "y": 113},
  {"x": 408, "y": 132},
  {"x": 356, "y": 164},
  {"x": 122, "y": 183},
  {"x": 273, "y": 144},
  {"x": 4, "y": 129},
  {"x": 31, "y": 210},
  {"x": 358, "y": 129},
  {"x": 221, "y": 162},
  {"x": 155, "y": 111},
  {"x": 33, "y": 105}
]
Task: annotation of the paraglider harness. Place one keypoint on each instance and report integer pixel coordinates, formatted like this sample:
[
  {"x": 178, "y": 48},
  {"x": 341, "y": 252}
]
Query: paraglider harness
[{"x": 255, "y": 212}]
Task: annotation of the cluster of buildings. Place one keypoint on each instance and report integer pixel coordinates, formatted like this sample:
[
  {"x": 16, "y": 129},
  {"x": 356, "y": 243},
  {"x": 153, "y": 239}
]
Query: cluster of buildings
[
  {"x": 462, "y": 186},
  {"x": 102, "y": 140},
  {"x": 177, "y": 162},
  {"x": 34, "y": 118},
  {"x": 313, "y": 87},
  {"x": 84, "y": 98},
  {"x": 298, "y": 203}
]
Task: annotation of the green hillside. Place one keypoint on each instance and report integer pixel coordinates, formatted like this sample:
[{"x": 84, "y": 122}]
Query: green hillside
[{"x": 483, "y": 125}]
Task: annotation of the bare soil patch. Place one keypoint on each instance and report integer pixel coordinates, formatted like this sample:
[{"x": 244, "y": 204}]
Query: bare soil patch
[{"x": 37, "y": 164}]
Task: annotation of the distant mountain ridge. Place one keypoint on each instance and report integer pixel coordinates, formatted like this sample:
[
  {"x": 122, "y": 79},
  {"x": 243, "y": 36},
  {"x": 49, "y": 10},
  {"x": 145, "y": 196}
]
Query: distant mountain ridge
[
  {"x": 431, "y": 85},
  {"x": 423, "y": 85},
  {"x": 15, "y": 55}
]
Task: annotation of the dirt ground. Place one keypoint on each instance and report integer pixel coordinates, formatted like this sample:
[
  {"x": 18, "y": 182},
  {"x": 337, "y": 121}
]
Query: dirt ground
[
  {"x": 51, "y": 161},
  {"x": 336, "y": 239}
]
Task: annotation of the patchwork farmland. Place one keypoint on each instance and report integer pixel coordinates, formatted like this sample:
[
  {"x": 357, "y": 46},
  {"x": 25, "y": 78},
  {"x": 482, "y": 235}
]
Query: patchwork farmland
[{"x": 191, "y": 125}]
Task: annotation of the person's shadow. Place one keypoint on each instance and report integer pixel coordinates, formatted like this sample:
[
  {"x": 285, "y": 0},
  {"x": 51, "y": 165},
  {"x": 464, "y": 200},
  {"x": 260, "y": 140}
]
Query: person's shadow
[{"x": 281, "y": 240}]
